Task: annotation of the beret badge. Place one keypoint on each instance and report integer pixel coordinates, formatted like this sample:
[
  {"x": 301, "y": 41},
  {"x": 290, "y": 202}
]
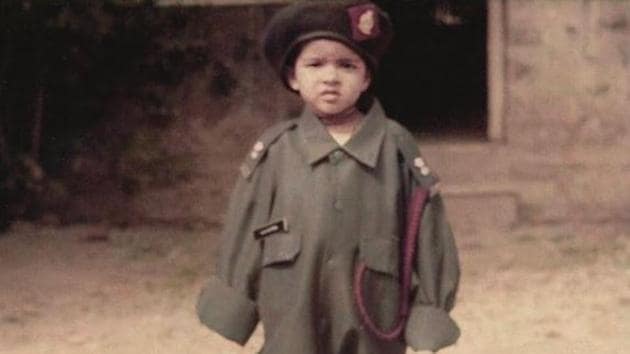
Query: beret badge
[
  {"x": 359, "y": 24},
  {"x": 364, "y": 22}
]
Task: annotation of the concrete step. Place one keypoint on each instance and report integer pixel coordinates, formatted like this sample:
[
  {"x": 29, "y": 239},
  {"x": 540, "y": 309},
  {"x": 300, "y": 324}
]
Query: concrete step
[{"x": 472, "y": 213}]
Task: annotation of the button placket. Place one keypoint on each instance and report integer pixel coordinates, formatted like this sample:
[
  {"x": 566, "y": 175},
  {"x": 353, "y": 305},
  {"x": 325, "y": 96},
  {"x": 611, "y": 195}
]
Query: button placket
[{"x": 335, "y": 158}]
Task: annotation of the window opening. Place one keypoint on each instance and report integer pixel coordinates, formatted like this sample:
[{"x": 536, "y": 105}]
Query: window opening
[{"x": 434, "y": 77}]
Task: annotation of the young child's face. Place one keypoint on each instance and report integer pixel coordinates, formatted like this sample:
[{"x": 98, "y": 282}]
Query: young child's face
[{"x": 329, "y": 76}]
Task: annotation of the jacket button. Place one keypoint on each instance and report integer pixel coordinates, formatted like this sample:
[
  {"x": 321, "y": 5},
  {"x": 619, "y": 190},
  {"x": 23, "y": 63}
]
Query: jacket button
[
  {"x": 338, "y": 205},
  {"x": 335, "y": 157}
]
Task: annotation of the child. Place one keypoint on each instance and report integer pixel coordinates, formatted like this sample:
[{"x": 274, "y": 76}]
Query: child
[{"x": 314, "y": 244}]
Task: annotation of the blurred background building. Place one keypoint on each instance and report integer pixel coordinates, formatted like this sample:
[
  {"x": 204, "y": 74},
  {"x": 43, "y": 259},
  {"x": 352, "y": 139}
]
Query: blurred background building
[{"x": 135, "y": 112}]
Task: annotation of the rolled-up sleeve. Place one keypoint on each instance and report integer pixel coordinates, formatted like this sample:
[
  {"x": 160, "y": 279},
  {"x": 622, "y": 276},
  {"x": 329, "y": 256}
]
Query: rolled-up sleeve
[
  {"x": 429, "y": 326},
  {"x": 227, "y": 304},
  {"x": 226, "y": 311}
]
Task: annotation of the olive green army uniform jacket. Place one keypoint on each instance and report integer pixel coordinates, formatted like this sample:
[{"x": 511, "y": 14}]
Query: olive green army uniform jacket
[{"x": 303, "y": 213}]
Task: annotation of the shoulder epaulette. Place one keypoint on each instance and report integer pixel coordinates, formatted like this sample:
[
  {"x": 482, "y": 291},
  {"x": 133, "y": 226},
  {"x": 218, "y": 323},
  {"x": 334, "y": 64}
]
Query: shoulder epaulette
[
  {"x": 408, "y": 147},
  {"x": 258, "y": 151}
]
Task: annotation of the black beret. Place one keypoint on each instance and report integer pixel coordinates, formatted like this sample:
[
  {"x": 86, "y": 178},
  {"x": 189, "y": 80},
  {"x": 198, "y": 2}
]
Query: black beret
[{"x": 361, "y": 25}]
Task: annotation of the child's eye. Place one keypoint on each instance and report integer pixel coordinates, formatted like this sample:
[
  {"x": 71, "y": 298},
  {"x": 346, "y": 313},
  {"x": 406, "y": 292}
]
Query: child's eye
[
  {"x": 347, "y": 65},
  {"x": 313, "y": 64}
]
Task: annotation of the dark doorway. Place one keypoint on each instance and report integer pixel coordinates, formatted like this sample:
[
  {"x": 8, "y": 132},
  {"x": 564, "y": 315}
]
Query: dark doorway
[{"x": 433, "y": 79}]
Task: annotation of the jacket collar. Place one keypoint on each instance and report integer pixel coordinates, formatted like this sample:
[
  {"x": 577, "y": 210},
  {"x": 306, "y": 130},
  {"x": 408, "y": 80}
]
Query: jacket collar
[{"x": 364, "y": 145}]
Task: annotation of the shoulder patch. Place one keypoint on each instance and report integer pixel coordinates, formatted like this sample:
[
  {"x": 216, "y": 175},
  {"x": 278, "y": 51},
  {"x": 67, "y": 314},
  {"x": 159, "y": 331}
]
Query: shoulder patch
[
  {"x": 258, "y": 151},
  {"x": 423, "y": 174}
]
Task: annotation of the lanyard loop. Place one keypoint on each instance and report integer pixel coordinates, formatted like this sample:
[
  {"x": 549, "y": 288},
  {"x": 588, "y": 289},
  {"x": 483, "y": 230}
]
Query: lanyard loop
[{"x": 414, "y": 217}]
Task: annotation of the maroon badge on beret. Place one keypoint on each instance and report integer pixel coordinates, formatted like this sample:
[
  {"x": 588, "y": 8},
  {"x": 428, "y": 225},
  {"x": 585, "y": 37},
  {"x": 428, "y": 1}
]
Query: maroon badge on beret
[{"x": 364, "y": 22}]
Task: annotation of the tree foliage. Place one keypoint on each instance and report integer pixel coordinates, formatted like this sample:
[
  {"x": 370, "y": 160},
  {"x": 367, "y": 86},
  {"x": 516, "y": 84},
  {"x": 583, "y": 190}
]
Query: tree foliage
[{"x": 62, "y": 62}]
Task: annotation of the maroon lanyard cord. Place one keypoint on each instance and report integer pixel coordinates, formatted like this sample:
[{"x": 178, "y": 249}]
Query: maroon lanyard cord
[{"x": 414, "y": 217}]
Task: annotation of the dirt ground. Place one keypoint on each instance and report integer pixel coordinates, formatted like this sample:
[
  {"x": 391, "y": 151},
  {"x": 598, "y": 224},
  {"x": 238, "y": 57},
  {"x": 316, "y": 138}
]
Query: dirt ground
[{"x": 90, "y": 289}]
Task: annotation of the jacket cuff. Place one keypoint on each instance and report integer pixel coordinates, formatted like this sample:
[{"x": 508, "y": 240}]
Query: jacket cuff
[
  {"x": 430, "y": 328},
  {"x": 226, "y": 311}
]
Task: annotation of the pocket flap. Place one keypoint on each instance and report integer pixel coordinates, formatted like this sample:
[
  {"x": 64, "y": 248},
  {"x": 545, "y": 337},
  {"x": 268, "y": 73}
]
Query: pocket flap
[
  {"x": 380, "y": 254},
  {"x": 281, "y": 247}
]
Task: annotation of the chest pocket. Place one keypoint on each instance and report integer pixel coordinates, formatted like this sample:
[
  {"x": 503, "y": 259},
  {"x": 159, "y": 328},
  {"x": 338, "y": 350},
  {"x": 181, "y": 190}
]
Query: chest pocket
[
  {"x": 280, "y": 248},
  {"x": 380, "y": 254}
]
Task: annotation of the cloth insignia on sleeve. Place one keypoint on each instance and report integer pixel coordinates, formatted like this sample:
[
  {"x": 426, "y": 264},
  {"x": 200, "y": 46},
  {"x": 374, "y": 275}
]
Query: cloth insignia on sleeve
[
  {"x": 258, "y": 151},
  {"x": 419, "y": 163},
  {"x": 418, "y": 166}
]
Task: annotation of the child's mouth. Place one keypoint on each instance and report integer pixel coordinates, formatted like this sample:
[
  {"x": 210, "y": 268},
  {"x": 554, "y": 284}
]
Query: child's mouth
[{"x": 329, "y": 95}]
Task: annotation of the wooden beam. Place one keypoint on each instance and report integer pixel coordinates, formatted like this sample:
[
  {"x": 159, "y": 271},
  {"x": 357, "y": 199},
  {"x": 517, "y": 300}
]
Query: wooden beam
[{"x": 496, "y": 69}]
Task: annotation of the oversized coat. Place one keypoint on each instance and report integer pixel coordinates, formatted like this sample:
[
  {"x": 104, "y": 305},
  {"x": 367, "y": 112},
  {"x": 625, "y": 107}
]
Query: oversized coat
[{"x": 303, "y": 213}]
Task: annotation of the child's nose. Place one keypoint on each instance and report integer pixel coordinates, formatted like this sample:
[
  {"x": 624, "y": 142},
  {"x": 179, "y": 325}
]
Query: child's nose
[{"x": 330, "y": 74}]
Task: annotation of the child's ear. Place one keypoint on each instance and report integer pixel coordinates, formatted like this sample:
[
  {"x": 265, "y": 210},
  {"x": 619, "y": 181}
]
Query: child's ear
[
  {"x": 291, "y": 80},
  {"x": 367, "y": 80}
]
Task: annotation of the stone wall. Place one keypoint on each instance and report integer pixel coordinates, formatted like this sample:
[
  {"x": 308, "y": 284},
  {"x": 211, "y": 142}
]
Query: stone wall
[
  {"x": 569, "y": 104},
  {"x": 565, "y": 153}
]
